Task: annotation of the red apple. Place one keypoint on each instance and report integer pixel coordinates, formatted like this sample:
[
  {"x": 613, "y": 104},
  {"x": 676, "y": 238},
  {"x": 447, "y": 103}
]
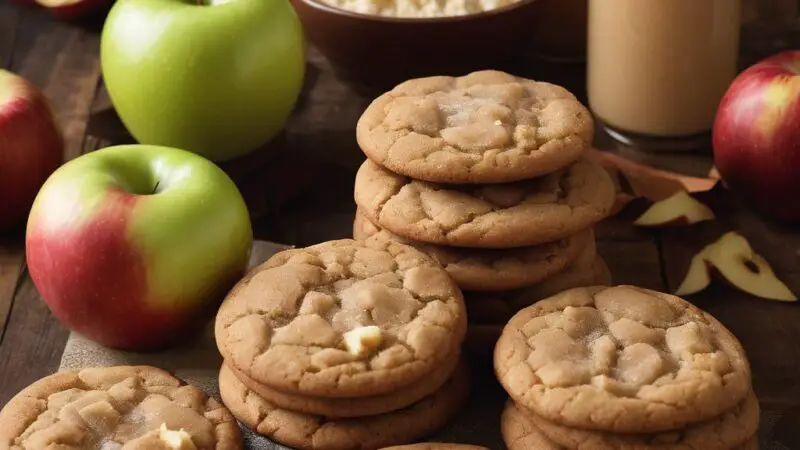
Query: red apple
[
  {"x": 31, "y": 146},
  {"x": 756, "y": 136},
  {"x": 71, "y": 9},
  {"x": 135, "y": 246}
]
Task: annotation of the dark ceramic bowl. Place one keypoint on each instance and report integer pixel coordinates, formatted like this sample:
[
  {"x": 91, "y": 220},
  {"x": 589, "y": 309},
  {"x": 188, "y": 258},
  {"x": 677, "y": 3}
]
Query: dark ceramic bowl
[{"x": 376, "y": 53}]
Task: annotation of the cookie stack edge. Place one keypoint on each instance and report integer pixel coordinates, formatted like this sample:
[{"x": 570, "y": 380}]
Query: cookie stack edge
[{"x": 623, "y": 368}]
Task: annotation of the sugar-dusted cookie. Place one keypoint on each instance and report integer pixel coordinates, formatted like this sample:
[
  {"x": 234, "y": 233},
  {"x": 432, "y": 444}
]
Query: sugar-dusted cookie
[
  {"x": 342, "y": 319},
  {"x": 138, "y": 407},
  {"x": 305, "y": 431},
  {"x": 499, "y": 307},
  {"x": 622, "y": 359},
  {"x": 525, "y": 213},
  {"x": 488, "y": 269},
  {"x": 519, "y": 433},
  {"x": 485, "y": 127},
  {"x": 355, "y": 407}
]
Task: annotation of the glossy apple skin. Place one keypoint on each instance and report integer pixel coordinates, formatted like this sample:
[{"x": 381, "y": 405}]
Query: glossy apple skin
[
  {"x": 130, "y": 269},
  {"x": 756, "y": 137},
  {"x": 31, "y": 146},
  {"x": 71, "y": 9},
  {"x": 219, "y": 80}
]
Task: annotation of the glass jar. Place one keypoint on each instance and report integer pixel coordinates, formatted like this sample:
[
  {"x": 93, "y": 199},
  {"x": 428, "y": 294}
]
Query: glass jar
[{"x": 657, "y": 69}]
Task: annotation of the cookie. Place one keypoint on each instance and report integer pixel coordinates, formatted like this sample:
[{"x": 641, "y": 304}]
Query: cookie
[
  {"x": 519, "y": 433},
  {"x": 499, "y": 307},
  {"x": 355, "y": 407},
  {"x": 732, "y": 429},
  {"x": 492, "y": 270},
  {"x": 305, "y": 431},
  {"x": 435, "y": 446},
  {"x": 343, "y": 318},
  {"x": 484, "y": 127},
  {"x": 621, "y": 359},
  {"x": 521, "y": 214},
  {"x": 131, "y": 406}
]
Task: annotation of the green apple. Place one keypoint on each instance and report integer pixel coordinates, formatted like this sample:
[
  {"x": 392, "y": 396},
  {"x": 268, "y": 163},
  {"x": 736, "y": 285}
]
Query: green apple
[
  {"x": 215, "y": 77},
  {"x": 133, "y": 246}
]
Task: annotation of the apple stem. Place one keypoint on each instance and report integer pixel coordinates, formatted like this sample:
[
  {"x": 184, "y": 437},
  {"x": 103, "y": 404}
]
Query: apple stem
[{"x": 155, "y": 188}]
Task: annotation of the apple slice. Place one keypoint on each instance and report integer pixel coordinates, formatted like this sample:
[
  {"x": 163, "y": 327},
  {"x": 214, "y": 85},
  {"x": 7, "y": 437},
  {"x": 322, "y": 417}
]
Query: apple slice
[
  {"x": 678, "y": 209},
  {"x": 732, "y": 257}
]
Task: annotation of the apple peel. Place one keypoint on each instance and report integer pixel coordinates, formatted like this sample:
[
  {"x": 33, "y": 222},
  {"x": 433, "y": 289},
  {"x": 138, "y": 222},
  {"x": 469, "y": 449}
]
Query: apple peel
[
  {"x": 633, "y": 180},
  {"x": 678, "y": 209},
  {"x": 732, "y": 257}
]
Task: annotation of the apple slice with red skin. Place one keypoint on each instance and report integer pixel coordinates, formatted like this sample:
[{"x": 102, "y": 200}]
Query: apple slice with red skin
[
  {"x": 71, "y": 9},
  {"x": 135, "y": 246},
  {"x": 732, "y": 258},
  {"x": 678, "y": 209}
]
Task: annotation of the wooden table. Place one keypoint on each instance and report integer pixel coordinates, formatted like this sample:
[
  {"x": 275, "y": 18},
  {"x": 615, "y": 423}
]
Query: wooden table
[{"x": 299, "y": 190}]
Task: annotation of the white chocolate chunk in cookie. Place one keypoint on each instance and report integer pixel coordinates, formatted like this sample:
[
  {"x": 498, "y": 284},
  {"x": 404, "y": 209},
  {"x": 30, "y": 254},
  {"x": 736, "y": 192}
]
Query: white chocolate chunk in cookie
[
  {"x": 363, "y": 340},
  {"x": 176, "y": 439}
]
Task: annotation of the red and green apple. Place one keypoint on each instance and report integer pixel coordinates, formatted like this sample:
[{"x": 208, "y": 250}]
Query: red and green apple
[
  {"x": 31, "y": 146},
  {"x": 133, "y": 246},
  {"x": 215, "y": 77},
  {"x": 756, "y": 136}
]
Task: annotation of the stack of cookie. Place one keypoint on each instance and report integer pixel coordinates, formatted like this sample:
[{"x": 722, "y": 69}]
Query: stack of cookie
[
  {"x": 344, "y": 344},
  {"x": 623, "y": 367},
  {"x": 489, "y": 174}
]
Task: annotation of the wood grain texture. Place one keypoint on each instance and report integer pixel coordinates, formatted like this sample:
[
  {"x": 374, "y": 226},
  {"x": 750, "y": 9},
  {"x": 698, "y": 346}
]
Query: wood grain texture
[
  {"x": 12, "y": 259},
  {"x": 9, "y": 19}
]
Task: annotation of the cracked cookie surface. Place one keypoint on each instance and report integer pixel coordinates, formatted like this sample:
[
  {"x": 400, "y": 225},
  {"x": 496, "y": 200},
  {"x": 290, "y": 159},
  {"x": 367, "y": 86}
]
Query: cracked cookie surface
[
  {"x": 622, "y": 359},
  {"x": 343, "y": 318},
  {"x": 355, "y": 407},
  {"x": 732, "y": 429},
  {"x": 489, "y": 269},
  {"x": 305, "y": 431},
  {"x": 135, "y": 407},
  {"x": 484, "y": 127},
  {"x": 525, "y": 213},
  {"x": 500, "y": 307}
]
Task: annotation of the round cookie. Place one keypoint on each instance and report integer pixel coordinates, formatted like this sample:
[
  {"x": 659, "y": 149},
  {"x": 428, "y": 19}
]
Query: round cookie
[
  {"x": 343, "y": 318},
  {"x": 732, "y": 429},
  {"x": 499, "y": 307},
  {"x": 735, "y": 429},
  {"x": 305, "y": 431},
  {"x": 435, "y": 446},
  {"x": 519, "y": 433},
  {"x": 355, "y": 407},
  {"x": 621, "y": 359},
  {"x": 488, "y": 269},
  {"x": 484, "y": 127},
  {"x": 131, "y": 406},
  {"x": 521, "y": 214}
]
